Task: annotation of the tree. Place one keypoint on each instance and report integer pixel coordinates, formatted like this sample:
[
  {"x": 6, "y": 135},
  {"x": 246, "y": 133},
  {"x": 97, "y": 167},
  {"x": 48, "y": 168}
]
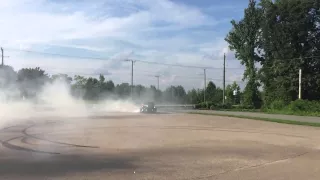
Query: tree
[
  {"x": 192, "y": 97},
  {"x": 78, "y": 88},
  {"x": 92, "y": 89},
  {"x": 180, "y": 94},
  {"x": 211, "y": 91},
  {"x": 31, "y": 80},
  {"x": 110, "y": 86},
  {"x": 80, "y": 81},
  {"x": 230, "y": 89},
  {"x": 123, "y": 90},
  {"x": 291, "y": 42},
  {"x": 64, "y": 77},
  {"x": 175, "y": 94},
  {"x": 8, "y": 86},
  {"x": 245, "y": 40},
  {"x": 218, "y": 96}
]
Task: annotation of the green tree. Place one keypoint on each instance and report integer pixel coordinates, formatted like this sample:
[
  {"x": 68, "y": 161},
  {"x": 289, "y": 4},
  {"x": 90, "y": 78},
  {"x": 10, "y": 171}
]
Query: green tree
[
  {"x": 245, "y": 40},
  {"x": 175, "y": 94},
  {"x": 218, "y": 96},
  {"x": 192, "y": 97},
  {"x": 92, "y": 89},
  {"x": 31, "y": 81},
  {"x": 106, "y": 87},
  {"x": 8, "y": 88},
  {"x": 181, "y": 94},
  {"x": 210, "y": 92},
  {"x": 63, "y": 77},
  {"x": 78, "y": 88},
  {"x": 123, "y": 90},
  {"x": 291, "y": 42},
  {"x": 80, "y": 81},
  {"x": 110, "y": 86},
  {"x": 230, "y": 89}
]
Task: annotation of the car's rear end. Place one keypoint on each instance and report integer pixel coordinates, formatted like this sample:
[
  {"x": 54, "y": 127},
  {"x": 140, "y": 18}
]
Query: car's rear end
[{"x": 148, "y": 108}]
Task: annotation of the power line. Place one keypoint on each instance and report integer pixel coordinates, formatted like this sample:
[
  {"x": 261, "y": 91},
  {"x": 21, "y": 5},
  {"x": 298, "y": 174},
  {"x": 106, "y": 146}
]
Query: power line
[
  {"x": 97, "y": 58},
  {"x": 56, "y": 54},
  {"x": 184, "y": 66},
  {"x": 141, "y": 61},
  {"x": 150, "y": 75}
]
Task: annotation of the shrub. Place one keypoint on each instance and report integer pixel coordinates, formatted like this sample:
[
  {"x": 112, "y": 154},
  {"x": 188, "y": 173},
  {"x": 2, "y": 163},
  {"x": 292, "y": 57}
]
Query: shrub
[
  {"x": 221, "y": 106},
  {"x": 304, "y": 105},
  {"x": 277, "y": 105},
  {"x": 198, "y": 106}
]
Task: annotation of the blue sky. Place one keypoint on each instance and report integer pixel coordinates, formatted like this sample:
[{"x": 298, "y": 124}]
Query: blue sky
[{"x": 176, "y": 31}]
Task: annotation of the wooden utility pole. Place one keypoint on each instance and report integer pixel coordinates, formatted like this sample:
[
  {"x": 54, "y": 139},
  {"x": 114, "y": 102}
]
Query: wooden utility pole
[
  {"x": 1, "y": 56},
  {"x": 224, "y": 77},
  {"x": 158, "y": 81},
  {"x": 132, "y": 79},
  {"x": 132, "y": 62},
  {"x": 205, "y": 84}
]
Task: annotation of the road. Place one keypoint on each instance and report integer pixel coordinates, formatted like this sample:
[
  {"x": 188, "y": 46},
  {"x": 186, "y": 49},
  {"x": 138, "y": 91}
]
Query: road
[{"x": 157, "y": 146}]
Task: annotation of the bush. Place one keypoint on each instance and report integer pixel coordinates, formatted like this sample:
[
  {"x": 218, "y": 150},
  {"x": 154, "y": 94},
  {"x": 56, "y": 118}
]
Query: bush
[
  {"x": 221, "y": 106},
  {"x": 197, "y": 106},
  {"x": 204, "y": 105},
  {"x": 243, "y": 107},
  {"x": 304, "y": 105},
  {"x": 278, "y": 105}
]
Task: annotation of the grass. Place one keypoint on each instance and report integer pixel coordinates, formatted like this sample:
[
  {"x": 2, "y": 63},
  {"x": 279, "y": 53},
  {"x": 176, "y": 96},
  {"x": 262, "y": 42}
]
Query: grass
[
  {"x": 297, "y": 113},
  {"x": 269, "y": 111},
  {"x": 282, "y": 121}
]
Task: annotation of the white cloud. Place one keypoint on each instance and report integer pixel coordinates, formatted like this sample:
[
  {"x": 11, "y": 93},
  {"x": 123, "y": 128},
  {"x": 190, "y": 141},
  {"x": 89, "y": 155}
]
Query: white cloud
[{"x": 157, "y": 30}]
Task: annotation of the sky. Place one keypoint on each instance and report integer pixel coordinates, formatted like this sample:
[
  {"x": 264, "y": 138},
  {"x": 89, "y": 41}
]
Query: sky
[{"x": 92, "y": 37}]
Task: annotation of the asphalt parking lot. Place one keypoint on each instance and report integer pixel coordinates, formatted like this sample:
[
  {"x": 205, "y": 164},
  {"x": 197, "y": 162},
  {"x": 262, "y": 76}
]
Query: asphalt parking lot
[{"x": 158, "y": 146}]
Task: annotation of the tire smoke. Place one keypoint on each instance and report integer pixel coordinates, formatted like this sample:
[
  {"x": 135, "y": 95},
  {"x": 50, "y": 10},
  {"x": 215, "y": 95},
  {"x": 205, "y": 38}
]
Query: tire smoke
[{"x": 55, "y": 101}]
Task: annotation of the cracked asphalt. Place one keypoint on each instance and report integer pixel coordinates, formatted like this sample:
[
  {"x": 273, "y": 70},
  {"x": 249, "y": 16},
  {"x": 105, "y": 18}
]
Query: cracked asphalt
[{"x": 158, "y": 146}]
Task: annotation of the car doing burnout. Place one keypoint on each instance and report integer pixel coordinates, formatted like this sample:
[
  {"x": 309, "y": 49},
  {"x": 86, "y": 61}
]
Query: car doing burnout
[{"x": 148, "y": 108}]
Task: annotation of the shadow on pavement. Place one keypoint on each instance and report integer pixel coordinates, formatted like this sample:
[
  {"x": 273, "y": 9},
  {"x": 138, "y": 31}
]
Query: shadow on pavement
[{"x": 62, "y": 164}]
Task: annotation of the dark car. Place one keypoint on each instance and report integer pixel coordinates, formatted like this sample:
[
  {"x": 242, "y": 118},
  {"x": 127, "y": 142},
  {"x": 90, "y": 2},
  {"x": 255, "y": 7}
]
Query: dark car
[{"x": 148, "y": 108}]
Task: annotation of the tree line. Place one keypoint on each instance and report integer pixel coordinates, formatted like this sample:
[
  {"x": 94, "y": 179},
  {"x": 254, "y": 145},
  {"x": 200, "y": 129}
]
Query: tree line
[
  {"x": 27, "y": 83},
  {"x": 274, "y": 40}
]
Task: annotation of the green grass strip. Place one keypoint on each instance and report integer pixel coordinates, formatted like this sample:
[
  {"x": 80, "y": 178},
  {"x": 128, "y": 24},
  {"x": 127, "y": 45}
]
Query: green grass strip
[{"x": 282, "y": 121}]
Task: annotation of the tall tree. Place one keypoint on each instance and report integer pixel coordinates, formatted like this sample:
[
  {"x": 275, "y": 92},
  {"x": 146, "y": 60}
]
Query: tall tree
[
  {"x": 31, "y": 81},
  {"x": 192, "y": 96},
  {"x": 8, "y": 86},
  {"x": 244, "y": 39},
  {"x": 78, "y": 86},
  {"x": 123, "y": 90},
  {"x": 64, "y": 77},
  {"x": 230, "y": 89},
  {"x": 291, "y": 42},
  {"x": 92, "y": 89},
  {"x": 211, "y": 91}
]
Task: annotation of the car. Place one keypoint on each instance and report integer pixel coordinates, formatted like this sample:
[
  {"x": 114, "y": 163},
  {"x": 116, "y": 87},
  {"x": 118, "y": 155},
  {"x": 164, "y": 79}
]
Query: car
[{"x": 148, "y": 107}]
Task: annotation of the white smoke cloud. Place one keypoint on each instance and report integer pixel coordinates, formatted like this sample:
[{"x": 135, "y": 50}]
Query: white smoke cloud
[{"x": 55, "y": 101}]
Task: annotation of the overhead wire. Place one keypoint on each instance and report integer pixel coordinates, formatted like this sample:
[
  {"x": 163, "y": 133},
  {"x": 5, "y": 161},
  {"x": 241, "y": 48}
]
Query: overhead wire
[
  {"x": 105, "y": 58},
  {"x": 143, "y": 61}
]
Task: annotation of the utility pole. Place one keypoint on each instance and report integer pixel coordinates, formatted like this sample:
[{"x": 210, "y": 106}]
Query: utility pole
[
  {"x": 300, "y": 77},
  {"x": 224, "y": 77},
  {"x": 205, "y": 85},
  {"x": 131, "y": 79},
  {"x": 1, "y": 56},
  {"x": 132, "y": 62},
  {"x": 158, "y": 81}
]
